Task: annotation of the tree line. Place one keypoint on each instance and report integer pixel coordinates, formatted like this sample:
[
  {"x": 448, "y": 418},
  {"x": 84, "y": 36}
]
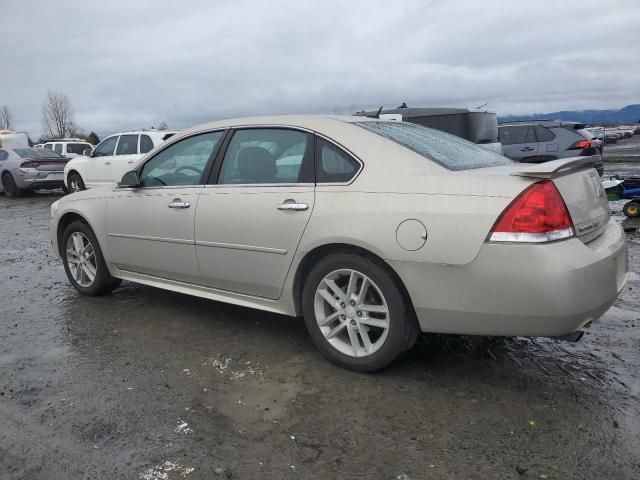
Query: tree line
[{"x": 58, "y": 120}]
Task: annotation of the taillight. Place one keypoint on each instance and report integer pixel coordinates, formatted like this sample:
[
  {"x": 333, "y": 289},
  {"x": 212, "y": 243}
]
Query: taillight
[
  {"x": 581, "y": 145},
  {"x": 537, "y": 215},
  {"x": 29, "y": 165}
]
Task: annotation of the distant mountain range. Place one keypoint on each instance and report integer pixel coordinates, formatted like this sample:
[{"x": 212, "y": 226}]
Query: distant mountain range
[{"x": 628, "y": 114}]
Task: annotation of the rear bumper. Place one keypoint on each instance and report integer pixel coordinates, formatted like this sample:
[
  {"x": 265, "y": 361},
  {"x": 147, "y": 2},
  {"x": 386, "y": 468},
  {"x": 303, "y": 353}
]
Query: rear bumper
[
  {"x": 521, "y": 290},
  {"x": 46, "y": 181}
]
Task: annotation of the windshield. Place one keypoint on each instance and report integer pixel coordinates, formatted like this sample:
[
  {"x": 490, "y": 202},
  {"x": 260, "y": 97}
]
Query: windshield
[
  {"x": 77, "y": 148},
  {"x": 37, "y": 153},
  {"x": 447, "y": 150}
]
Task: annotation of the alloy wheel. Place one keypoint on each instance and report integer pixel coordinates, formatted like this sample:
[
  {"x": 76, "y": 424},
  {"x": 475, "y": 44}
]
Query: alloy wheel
[
  {"x": 352, "y": 313},
  {"x": 74, "y": 184},
  {"x": 81, "y": 258}
]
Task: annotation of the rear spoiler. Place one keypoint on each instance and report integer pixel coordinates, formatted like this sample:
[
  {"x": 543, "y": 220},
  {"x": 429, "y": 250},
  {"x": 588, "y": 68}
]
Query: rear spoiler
[{"x": 555, "y": 167}]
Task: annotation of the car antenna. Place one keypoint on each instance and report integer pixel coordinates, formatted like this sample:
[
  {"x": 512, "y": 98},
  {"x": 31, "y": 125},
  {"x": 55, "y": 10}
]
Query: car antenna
[
  {"x": 483, "y": 105},
  {"x": 379, "y": 112}
]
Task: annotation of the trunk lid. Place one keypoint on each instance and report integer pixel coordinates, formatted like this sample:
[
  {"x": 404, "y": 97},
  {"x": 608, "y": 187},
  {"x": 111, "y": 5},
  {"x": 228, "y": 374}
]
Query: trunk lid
[
  {"x": 45, "y": 165},
  {"x": 581, "y": 188}
]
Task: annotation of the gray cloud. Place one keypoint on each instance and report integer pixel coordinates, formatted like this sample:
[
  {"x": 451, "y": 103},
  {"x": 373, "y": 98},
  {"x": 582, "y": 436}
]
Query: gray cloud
[{"x": 134, "y": 64}]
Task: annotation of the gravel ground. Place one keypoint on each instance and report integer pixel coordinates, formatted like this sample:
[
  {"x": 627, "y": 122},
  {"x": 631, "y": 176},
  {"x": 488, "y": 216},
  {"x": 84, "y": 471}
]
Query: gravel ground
[{"x": 148, "y": 384}]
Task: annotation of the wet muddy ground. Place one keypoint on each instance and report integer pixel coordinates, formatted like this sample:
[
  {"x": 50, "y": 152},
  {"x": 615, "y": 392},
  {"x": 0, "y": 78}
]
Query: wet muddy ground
[{"x": 148, "y": 384}]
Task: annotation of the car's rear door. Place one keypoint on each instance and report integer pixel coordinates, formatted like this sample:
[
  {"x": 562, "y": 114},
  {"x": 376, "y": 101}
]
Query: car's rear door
[
  {"x": 519, "y": 142},
  {"x": 251, "y": 217},
  {"x": 150, "y": 229}
]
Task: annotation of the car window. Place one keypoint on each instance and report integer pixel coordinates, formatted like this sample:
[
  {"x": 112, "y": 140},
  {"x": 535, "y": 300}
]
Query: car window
[
  {"x": 514, "y": 134},
  {"x": 3, "y": 155},
  {"x": 181, "y": 163},
  {"x": 332, "y": 164},
  {"x": 448, "y": 151},
  {"x": 264, "y": 155},
  {"x": 543, "y": 134},
  {"x": 48, "y": 146},
  {"x": 58, "y": 147},
  {"x": 128, "y": 145},
  {"x": 106, "y": 147},
  {"x": 36, "y": 153},
  {"x": 77, "y": 148},
  {"x": 146, "y": 145},
  {"x": 531, "y": 135}
]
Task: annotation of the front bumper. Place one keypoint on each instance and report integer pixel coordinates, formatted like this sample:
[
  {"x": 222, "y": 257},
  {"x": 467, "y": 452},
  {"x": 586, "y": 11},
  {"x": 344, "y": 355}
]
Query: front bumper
[{"x": 521, "y": 290}]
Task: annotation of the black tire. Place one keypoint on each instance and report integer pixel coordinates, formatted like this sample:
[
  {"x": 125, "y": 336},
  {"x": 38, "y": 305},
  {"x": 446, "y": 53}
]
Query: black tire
[
  {"x": 632, "y": 209},
  {"x": 103, "y": 282},
  {"x": 9, "y": 186},
  {"x": 75, "y": 179},
  {"x": 403, "y": 325}
]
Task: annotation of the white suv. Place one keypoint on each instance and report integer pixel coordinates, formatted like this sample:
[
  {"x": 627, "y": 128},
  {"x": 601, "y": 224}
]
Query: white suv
[
  {"x": 111, "y": 159},
  {"x": 68, "y": 147}
]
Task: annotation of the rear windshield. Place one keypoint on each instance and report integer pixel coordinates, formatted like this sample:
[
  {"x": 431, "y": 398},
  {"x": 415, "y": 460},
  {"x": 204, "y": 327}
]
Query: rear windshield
[
  {"x": 77, "y": 147},
  {"x": 447, "y": 150},
  {"x": 36, "y": 153}
]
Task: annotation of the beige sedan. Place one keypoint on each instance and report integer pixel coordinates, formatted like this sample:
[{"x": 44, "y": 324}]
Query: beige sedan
[{"x": 372, "y": 230}]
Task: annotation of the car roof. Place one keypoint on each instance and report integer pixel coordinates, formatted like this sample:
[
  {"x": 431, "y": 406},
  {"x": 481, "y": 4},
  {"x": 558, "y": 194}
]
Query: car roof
[
  {"x": 544, "y": 123},
  {"x": 65, "y": 140},
  {"x": 310, "y": 122}
]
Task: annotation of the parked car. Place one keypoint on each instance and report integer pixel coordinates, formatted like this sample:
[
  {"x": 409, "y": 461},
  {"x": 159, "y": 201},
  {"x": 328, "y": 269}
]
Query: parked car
[
  {"x": 479, "y": 127},
  {"x": 24, "y": 169},
  {"x": 543, "y": 140},
  {"x": 68, "y": 147},
  {"x": 111, "y": 158},
  {"x": 372, "y": 230}
]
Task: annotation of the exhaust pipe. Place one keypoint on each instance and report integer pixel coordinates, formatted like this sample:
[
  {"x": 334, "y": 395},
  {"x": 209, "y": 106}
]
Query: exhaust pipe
[{"x": 572, "y": 337}]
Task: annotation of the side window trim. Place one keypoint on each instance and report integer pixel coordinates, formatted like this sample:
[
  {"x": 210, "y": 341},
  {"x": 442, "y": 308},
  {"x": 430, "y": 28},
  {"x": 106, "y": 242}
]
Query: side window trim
[
  {"x": 207, "y": 169},
  {"x": 307, "y": 169},
  {"x": 344, "y": 151},
  {"x": 115, "y": 148}
]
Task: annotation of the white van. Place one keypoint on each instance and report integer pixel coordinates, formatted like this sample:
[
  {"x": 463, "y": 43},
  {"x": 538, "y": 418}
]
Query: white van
[
  {"x": 11, "y": 139},
  {"x": 68, "y": 147}
]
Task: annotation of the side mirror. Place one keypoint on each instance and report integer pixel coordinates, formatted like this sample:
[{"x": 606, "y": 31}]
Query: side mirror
[
  {"x": 87, "y": 152},
  {"x": 130, "y": 180}
]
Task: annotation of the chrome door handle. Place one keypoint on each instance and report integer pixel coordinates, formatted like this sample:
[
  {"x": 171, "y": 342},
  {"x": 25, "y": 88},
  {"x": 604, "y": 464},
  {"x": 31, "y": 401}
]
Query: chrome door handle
[
  {"x": 108, "y": 162},
  {"x": 177, "y": 203},
  {"x": 129, "y": 161},
  {"x": 293, "y": 205}
]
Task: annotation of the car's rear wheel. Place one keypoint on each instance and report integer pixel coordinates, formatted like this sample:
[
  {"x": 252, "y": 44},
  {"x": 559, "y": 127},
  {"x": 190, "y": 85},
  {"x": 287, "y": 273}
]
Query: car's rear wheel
[
  {"x": 75, "y": 182},
  {"x": 9, "y": 185},
  {"x": 356, "y": 313},
  {"x": 84, "y": 263},
  {"x": 632, "y": 209}
]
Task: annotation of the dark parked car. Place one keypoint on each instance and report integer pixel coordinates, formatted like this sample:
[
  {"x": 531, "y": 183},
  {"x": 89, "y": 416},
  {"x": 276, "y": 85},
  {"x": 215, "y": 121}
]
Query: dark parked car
[{"x": 538, "y": 141}]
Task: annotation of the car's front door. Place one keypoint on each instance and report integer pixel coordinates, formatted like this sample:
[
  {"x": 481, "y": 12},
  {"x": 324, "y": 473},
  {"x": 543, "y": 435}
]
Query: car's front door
[
  {"x": 98, "y": 165},
  {"x": 150, "y": 228},
  {"x": 126, "y": 156},
  {"x": 249, "y": 221}
]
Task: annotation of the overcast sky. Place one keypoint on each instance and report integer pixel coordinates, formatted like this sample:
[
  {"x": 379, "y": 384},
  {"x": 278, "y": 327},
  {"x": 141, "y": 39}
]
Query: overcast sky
[{"x": 137, "y": 63}]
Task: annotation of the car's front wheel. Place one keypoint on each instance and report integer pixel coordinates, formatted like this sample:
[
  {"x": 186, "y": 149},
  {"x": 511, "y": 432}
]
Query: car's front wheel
[
  {"x": 84, "y": 263},
  {"x": 75, "y": 183},
  {"x": 9, "y": 185},
  {"x": 356, "y": 312}
]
